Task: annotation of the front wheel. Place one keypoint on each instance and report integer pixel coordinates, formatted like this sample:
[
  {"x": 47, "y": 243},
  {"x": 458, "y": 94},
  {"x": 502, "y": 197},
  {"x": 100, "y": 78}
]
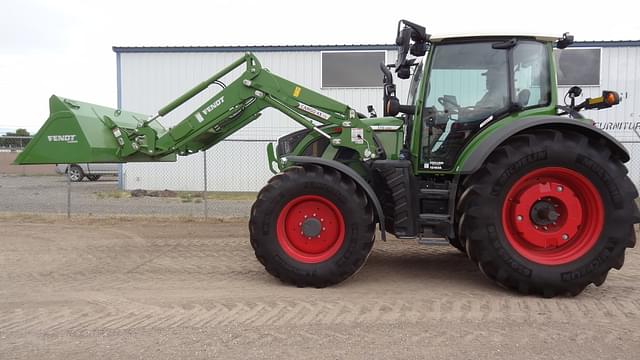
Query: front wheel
[
  {"x": 311, "y": 226},
  {"x": 549, "y": 213}
]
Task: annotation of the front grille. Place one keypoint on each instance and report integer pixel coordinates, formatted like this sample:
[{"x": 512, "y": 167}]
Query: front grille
[{"x": 287, "y": 143}]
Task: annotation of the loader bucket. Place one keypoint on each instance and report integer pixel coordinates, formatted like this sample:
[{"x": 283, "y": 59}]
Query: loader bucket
[{"x": 76, "y": 132}]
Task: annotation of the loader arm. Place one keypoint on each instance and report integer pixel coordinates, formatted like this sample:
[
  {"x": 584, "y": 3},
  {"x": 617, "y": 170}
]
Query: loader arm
[{"x": 120, "y": 136}]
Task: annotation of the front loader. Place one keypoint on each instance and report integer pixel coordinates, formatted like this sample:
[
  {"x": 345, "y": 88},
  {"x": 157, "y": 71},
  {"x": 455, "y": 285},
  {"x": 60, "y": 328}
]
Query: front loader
[{"x": 480, "y": 156}]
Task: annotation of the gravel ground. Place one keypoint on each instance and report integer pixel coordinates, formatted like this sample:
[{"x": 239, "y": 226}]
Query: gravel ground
[
  {"x": 146, "y": 289},
  {"x": 48, "y": 194}
]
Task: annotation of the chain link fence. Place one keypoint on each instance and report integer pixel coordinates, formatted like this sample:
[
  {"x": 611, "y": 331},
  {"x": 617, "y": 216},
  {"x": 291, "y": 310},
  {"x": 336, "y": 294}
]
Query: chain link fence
[
  {"x": 9, "y": 143},
  {"x": 203, "y": 185},
  {"x": 219, "y": 183},
  {"x": 633, "y": 146}
]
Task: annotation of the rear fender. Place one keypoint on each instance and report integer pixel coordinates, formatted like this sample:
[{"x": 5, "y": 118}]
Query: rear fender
[{"x": 474, "y": 160}]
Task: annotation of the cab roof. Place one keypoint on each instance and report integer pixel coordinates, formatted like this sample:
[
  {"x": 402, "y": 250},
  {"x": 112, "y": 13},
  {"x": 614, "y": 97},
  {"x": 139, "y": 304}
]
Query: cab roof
[{"x": 541, "y": 37}]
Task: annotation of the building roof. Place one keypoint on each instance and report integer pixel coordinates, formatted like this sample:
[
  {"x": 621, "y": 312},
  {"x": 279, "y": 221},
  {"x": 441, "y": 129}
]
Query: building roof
[
  {"x": 252, "y": 48},
  {"x": 280, "y": 48}
]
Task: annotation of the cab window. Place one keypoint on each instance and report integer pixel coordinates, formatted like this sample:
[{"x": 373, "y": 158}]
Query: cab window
[{"x": 531, "y": 74}]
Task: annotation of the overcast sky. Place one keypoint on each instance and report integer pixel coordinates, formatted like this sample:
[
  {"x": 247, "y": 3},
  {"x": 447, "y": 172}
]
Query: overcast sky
[{"x": 63, "y": 47}]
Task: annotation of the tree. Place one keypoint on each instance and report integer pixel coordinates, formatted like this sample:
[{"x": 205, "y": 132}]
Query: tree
[{"x": 19, "y": 132}]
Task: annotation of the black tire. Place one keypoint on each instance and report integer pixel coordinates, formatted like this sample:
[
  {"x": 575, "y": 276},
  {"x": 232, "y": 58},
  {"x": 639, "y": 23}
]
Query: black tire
[
  {"x": 458, "y": 240},
  {"x": 456, "y": 243},
  {"x": 75, "y": 173},
  {"x": 93, "y": 177},
  {"x": 322, "y": 183},
  {"x": 484, "y": 195}
]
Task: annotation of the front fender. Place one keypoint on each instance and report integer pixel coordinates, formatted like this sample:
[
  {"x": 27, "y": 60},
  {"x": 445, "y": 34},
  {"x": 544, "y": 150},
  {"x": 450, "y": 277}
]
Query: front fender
[
  {"x": 350, "y": 173},
  {"x": 477, "y": 153}
]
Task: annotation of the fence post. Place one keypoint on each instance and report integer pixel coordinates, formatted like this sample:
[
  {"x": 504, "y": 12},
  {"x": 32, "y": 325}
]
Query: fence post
[
  {"x": 204, "y": 195},
  {"x": 68, "y": 195}
]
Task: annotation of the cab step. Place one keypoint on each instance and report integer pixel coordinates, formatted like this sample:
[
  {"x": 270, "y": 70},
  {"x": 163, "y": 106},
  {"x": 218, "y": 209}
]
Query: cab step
[{"x": 433, "y": 241}]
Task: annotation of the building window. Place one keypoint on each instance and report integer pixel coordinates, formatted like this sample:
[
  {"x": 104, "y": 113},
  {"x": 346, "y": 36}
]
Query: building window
[
  {"x": 352, "y": 69},
  {"x": 578, "y": 66}
]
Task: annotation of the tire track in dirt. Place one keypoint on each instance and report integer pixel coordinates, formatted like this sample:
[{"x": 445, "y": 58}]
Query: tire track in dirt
[
  {"x": 116, "y": 279},
  {"x": 106, "y": 313},
  {"x": 128, "y": 258}
]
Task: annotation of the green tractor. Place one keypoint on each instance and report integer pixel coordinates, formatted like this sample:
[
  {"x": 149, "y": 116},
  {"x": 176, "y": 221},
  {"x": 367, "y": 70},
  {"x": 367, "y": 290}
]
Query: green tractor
[{"x": 480, "y": 156}]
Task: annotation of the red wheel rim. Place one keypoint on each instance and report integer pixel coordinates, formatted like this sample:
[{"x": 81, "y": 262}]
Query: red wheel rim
[
  {"x": 310, "y": 229},
  {"x": 553, "y": 216}
]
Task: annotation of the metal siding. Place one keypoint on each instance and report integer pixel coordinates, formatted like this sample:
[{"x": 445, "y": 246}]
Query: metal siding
[
  {"x": 620, "y": 72},
  {"x": 151, "y": 80}
]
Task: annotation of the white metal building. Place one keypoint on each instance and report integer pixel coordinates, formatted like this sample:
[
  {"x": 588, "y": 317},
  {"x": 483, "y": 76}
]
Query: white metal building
[{"x": 150, "y": 77}]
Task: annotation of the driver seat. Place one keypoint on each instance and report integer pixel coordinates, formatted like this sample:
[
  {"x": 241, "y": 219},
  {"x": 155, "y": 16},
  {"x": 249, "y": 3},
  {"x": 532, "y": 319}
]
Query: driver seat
[{"x": 523, "y": 97}]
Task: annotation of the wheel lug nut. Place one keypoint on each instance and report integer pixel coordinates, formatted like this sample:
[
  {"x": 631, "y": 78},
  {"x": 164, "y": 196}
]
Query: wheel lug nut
[
  {"x": 314, "y": 214},
  {"x": 559, "y": 189},
  {"x": 323, "y": 229},
  {"x": 565, "y": 237},
  {"x": 519, "y": 217}
]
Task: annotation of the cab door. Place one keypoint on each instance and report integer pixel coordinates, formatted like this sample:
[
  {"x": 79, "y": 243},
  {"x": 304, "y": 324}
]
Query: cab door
[{"x": 472, "y": 83}]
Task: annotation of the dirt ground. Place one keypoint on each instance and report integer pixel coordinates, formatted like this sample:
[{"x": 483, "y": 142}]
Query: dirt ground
[{"x": 164, "y": 289}]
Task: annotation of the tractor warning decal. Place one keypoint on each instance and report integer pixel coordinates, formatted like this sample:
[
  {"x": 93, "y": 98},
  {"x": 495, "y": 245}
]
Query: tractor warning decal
[{"x": 296, "y": 91}]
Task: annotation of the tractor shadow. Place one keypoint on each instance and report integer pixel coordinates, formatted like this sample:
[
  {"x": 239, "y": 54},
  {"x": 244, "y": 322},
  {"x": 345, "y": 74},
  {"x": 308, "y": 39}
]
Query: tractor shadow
[{"x": 404, "y": 261}]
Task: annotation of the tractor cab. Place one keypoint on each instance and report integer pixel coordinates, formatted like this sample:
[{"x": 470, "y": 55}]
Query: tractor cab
[
  {"x": 464, "y": 84},
  {"x": 471, "y": 82}
]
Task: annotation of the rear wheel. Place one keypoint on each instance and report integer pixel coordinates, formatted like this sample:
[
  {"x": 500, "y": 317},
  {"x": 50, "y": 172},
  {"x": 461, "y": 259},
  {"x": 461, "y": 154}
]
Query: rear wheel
[
  {"x": 549, "y": 213},
  {"x": 75, "y": 173},
  {"x": 311, "y": 226}
]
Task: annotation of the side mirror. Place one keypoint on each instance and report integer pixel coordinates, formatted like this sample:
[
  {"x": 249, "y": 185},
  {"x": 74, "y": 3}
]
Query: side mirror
[
  {"x": 410, "y": 32},
  {"x": 574, "y": 92},
  {"x": 404, "y": 71},
  {"x": 564, "y": 41},
  {"x": 403, "y": 40},
  {"x": 419, "y": 49}
]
